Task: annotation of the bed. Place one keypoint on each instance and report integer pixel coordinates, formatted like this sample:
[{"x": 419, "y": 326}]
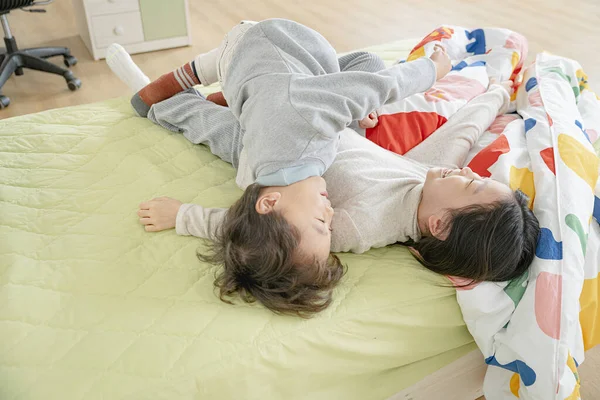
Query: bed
[{"x": 93, "y": 307}]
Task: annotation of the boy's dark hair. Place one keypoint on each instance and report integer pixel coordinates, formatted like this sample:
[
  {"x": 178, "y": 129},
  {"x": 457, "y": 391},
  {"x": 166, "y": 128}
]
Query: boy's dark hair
[
  {"x": 260, "y": 260},
  {"x": 486, "y": 242}
]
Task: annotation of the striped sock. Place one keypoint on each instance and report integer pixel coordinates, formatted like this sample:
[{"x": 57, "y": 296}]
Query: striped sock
[{"x": 164, "y": 87}]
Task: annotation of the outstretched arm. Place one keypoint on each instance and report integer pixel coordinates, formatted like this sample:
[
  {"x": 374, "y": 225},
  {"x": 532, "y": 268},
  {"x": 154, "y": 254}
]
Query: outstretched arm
[
  {"x": 164, "y": 213},
  {"x": 195, "y": 220},
  {"x": 330, "y": 102},
  {"x": 450, "y": 144}
]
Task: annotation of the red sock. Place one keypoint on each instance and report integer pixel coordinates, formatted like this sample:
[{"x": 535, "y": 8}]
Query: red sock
[{"x": 169, "y": 84}]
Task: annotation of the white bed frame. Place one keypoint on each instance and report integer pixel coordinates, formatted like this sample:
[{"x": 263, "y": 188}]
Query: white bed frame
[{"x": 460, "y": 380}]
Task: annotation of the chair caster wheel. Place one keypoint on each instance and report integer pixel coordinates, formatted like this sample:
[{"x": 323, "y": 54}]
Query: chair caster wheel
[
  {"x": 70, "y": 61},
  {"x": 4, "y": 102},
  {"x": 74, "y": 84}
]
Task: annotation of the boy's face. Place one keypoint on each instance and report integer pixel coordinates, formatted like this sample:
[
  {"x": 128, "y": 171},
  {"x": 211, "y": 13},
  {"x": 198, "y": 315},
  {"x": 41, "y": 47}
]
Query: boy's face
[{"x": 305, "y": 206}]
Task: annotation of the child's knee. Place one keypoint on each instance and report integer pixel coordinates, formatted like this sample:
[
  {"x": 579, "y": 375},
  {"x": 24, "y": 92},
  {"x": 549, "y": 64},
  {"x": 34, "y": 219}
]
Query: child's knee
[{"x": 376, "y": 61}]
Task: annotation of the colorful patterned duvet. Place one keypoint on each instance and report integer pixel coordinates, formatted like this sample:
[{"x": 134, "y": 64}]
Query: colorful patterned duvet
[{"x": 534, "y": 330}]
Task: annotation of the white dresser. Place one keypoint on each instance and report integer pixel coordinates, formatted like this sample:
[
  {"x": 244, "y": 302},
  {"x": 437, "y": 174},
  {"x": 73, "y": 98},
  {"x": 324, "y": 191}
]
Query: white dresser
[{"x": 137, "y": 25}]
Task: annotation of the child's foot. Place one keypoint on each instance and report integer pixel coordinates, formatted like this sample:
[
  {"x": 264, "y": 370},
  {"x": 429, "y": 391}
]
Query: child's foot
[
  {"x": 168, "y": 85},
  {"x": 123, "y": 66}
]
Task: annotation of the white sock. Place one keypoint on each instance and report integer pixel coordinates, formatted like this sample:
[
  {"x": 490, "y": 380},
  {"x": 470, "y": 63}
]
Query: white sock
[
  {"x": 123, "y": 66},
  {"x": 206, "y": 67}
]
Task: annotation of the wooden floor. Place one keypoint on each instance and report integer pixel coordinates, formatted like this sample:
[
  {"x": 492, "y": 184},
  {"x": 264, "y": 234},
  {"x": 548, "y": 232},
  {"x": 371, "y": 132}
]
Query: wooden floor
[{"x": 566, "y": 27}]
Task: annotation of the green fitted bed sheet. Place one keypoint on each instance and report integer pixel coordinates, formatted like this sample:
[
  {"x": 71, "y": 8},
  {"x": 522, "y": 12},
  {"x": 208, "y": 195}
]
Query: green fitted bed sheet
[{"x": 93, "y": 307}]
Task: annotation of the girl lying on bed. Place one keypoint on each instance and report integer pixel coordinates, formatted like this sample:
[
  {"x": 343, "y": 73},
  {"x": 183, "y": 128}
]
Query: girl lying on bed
[{"x": 274, "y": 241}]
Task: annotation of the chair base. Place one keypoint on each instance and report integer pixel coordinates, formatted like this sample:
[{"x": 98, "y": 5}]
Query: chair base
[{"x": 13, "y": 61}]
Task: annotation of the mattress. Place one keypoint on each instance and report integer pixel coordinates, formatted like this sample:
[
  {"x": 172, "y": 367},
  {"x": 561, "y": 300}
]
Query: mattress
[{"x": 93, "y": 307}]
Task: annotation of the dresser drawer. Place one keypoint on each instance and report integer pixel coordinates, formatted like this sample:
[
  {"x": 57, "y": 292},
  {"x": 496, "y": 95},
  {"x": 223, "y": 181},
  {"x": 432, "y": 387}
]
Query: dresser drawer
[
  {"x": 118, "y": 28},
  {"x": 100, "y": 7}
]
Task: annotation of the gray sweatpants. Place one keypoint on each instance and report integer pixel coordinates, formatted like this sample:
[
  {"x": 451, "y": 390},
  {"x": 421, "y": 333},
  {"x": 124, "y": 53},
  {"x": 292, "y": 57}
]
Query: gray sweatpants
[{"x": 203, "y": 122}]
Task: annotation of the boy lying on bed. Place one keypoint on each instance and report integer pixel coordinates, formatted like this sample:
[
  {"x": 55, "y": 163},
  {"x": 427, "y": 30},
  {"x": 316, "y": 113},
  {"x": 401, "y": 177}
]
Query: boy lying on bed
[{"x": 275, "y": 242}]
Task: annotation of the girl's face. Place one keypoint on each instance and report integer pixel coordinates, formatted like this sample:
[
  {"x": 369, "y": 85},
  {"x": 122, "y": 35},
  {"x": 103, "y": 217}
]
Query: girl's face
[
  {"x": 306, "y": 206},
  {"x": 450, "y": 189}
]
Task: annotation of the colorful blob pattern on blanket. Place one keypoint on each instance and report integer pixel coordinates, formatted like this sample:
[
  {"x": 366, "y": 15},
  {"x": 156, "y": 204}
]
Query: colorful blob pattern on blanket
[
  {"x": 534, "y": 329},
  {"x": 420, "y": 115}
]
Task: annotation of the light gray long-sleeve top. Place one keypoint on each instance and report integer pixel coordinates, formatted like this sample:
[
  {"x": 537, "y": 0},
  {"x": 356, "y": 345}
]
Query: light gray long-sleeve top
[
  {"x": 285, "y": 88},
  {"x": 376, "y": 193}
]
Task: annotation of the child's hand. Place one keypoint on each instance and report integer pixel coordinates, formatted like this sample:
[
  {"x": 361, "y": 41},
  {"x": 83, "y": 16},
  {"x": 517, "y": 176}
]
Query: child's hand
[
  {"x": 159, "y": 214},
  {"x": 442, "y": 61},
  {"x": 370, "y": 121},
  {"x": 217, "y": 98}
]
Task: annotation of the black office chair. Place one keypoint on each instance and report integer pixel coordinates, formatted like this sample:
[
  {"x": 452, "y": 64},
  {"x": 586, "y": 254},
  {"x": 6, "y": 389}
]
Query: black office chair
[{"x": 14, "y": 60}]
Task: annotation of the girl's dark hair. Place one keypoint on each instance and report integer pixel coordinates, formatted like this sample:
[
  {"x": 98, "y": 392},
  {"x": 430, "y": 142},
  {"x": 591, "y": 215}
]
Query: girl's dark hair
[
  {"x": 486, "y": 242},
  {"x": 260, "y": 260}
]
